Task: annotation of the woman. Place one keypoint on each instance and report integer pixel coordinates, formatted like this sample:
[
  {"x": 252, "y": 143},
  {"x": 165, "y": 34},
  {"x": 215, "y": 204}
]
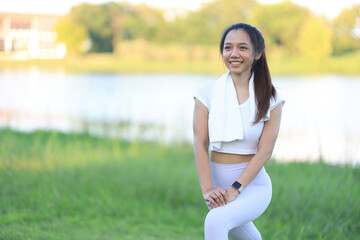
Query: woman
[{"x": 238, "y": 118}]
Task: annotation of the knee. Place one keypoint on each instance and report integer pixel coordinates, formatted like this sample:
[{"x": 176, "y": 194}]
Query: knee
[
  {"x": 216, "y": 223},
  {"x": 211, "y": 220}
]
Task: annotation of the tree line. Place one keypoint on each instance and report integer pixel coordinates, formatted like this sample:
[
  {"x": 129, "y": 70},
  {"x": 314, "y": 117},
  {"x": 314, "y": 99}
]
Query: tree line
[{"x": 287, "y": 27}]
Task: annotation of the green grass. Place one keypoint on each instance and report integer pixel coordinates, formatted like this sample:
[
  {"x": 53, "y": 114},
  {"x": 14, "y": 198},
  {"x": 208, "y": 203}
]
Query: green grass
[
  {"x": 77, "y": 186},
  {"x": 345, "y": 65},
  {"x": 108, "y": 63}
]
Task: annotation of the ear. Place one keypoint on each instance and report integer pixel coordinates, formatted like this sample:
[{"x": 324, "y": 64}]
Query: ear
[{"x": 258, "y": 55}]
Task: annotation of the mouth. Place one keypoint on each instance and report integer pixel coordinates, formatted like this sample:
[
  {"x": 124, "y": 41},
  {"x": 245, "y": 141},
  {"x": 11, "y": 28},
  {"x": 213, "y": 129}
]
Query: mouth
[{"x": 235, "y": 62}]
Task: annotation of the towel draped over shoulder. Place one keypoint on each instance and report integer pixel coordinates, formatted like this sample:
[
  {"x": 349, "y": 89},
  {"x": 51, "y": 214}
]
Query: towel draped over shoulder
[{"x": 225, "y": 123}]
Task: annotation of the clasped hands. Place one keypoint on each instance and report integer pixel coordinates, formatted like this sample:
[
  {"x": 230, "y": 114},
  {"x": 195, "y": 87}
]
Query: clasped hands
[{"x": 219, "y": 197}]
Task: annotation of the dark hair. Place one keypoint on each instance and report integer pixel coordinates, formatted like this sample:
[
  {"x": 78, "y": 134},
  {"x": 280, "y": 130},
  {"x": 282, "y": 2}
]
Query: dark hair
[{"x": 263, "y": 86}]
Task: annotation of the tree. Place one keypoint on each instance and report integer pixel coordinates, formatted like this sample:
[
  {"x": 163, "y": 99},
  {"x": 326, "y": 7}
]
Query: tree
[
  {"x": 97, "y": 21},
  {"x": 344, "y": 39},
  {"x": 72, "y": 34},
  {"x": 280, "y": 23},
  {"x": 314, "y": 39},
  {"x": 205, "y": 25},
  {"x": 109, "y": 23},
  {"x": 142, "y": 22}
]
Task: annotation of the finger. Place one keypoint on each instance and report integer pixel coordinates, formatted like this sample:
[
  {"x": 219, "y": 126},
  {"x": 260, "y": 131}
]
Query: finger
[
  {"x": 226, "y": 197},
  {"x": 223, "y": 193},
  {"x": 212, "y": 202},
  {"x": 222, "y": 196},
  {"x": 218, "y": 198},
  {"x": 215, "y": 199},
  {"x": 213, "y": 205},
  {"x": 221, "y": 199}
]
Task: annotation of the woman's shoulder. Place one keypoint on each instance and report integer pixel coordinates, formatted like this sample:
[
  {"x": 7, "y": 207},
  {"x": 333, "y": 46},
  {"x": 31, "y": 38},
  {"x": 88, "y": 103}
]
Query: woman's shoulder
[
  {"x": 204, "y": 92},
  {"x": 208, "y": 85},
  {"x": 206, "y": 88},
  {"x": 277, "y": 99}
]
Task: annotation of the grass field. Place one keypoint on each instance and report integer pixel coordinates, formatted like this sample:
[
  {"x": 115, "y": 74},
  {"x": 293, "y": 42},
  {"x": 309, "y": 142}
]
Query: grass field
[{"x": 77, "y": 186}]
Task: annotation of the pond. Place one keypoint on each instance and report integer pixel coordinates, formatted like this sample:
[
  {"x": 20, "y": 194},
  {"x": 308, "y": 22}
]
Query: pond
[{"x": 319, "y": 117}]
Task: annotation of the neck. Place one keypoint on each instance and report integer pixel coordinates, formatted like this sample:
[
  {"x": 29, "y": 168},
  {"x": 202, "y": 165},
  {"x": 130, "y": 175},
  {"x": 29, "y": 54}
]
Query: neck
[{"x": 241, "y": 79}]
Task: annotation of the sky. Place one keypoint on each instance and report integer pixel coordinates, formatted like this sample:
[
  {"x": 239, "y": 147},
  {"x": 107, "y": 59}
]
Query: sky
[{"x": 329, "y": 8}]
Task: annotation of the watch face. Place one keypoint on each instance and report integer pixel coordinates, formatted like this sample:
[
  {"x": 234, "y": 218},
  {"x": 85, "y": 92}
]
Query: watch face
[{"x": 236, "y": 185}]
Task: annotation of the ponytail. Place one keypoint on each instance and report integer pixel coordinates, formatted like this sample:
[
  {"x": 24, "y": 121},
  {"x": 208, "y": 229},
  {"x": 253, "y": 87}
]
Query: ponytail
[{"x": 263, "y": 86}]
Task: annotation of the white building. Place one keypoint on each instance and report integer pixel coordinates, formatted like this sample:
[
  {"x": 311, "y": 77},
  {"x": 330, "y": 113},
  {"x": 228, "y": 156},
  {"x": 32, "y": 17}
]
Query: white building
[{"x": 29, "y": 36}]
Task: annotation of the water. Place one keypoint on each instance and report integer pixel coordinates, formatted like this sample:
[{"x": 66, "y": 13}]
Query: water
[{"x": 319, "y": 117}]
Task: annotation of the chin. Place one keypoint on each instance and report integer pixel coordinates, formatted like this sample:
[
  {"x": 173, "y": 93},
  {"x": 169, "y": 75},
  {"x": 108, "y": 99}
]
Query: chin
[{"x": 239, "y": 71}]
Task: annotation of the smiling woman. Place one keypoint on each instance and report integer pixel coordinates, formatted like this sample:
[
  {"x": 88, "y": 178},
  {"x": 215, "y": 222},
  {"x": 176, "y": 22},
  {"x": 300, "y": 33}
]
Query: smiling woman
[
  {"x": 232, "y": 120},
  {"x": 238, "y": 52}
]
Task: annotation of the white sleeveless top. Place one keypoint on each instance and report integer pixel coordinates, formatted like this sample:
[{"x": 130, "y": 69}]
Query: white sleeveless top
[{"x": 251, "y": 133}]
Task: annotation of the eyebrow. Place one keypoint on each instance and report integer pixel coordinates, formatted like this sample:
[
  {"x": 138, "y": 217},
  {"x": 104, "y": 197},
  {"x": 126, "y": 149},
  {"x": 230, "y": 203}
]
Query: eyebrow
[{"x": 241, "y": 43}]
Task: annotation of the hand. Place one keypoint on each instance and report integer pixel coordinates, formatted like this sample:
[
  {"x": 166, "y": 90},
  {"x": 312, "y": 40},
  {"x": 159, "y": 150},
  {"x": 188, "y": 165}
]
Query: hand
[
  {"x": 231, "y": 194},
  {"x": 216, "y": 197}
]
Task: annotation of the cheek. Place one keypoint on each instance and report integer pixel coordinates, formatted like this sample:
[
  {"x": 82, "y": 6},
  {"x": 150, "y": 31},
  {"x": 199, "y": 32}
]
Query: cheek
[
  {"x": 225, "y": 56},
  {"x": 251, "y": 57}
]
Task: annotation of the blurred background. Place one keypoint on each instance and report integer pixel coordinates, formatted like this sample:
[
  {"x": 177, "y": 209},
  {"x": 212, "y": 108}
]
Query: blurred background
[
  {"x": 96, "y": 107},
  {"x": 128, "y": 70}
]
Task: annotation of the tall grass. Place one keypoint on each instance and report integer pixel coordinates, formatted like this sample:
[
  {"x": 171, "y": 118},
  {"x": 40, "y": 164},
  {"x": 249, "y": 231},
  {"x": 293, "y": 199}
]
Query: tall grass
[{"x": 76, "y": 186}]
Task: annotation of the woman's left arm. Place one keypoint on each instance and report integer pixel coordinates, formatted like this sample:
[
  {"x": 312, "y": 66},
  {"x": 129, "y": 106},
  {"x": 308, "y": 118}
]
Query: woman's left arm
[{"x": 265, "y": 149}]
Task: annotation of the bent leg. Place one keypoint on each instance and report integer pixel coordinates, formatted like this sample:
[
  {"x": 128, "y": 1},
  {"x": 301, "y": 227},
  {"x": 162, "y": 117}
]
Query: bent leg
[
  {"x": 245, "y": 208},
  {"x": 247, "y": 231}
]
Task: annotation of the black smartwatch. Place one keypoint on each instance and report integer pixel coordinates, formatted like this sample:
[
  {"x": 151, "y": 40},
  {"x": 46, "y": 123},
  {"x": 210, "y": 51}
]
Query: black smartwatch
[{"x": 237, "y": 186}]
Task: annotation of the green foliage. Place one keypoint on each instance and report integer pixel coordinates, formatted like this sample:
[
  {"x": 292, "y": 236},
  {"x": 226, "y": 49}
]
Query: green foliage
[
  {"x": 142, "y": 22},
  {"x": 306, "y": 202},
  {"x": 206, "y": 25},
  {"x": 315, "y": 32},
  {"x": 77, "y": 186},
  {"x": 343, "y": 25},
  {"x": 72, "y": 34},
  {"x": 97, "y": 20},
  {"x": 280, "y": 23},
  {"x": 109, "y": 24},
  {"x": 144, "y": 50}
]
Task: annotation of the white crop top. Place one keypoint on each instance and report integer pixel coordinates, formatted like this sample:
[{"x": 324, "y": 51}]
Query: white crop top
[{"x": 252, "y": 133}]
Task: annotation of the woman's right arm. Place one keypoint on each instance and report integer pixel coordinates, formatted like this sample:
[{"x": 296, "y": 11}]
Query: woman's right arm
[{"x": 216, "y": 197}]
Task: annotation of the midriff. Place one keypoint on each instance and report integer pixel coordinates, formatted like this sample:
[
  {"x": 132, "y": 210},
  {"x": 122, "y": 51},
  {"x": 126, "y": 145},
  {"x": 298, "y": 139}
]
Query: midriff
[{"x": 228, "y": 158}]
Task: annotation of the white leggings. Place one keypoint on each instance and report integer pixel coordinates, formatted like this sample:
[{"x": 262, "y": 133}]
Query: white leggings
[{"x": 235, "y": 218}]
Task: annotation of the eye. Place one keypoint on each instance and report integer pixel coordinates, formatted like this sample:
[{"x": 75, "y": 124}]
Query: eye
[
  {"x": 243, "y": 48},
  {"x": 227, "y": 47}
]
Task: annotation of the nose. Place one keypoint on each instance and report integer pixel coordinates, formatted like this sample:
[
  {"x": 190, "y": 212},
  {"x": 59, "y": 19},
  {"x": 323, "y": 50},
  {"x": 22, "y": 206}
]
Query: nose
[{"x": 235, "y": 53}]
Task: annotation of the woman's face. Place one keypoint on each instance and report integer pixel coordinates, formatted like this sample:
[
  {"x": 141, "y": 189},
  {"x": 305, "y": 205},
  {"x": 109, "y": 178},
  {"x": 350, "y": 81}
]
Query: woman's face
[{"x": 238, "y": 52}]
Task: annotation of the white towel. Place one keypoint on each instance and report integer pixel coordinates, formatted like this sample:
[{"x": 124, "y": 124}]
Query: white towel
[{"x": 225, "y": 123}]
